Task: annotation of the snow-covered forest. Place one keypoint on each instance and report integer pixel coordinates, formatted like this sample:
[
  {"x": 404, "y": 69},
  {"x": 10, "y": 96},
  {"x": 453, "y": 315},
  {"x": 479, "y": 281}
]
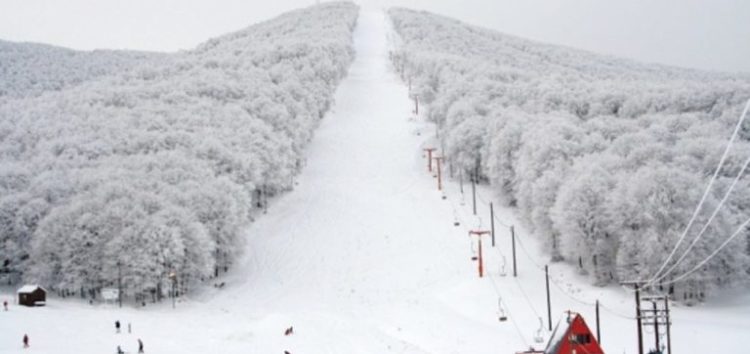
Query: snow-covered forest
[
  {"x": 136, "y": 165},
  {"x": 29, "y": 69},
  {"x": 604, "y": 158}
]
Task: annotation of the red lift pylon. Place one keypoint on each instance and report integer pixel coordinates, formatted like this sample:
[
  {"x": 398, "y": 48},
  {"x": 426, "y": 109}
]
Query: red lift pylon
[
  {"x": 479, "y": 234},
  {"x": 429, "y": 158}
]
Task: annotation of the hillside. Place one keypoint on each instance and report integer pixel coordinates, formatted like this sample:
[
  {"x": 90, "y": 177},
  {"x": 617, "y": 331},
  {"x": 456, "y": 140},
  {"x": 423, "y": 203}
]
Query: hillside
[
  {"x": 367, "y": 256},
  {"x": 604, "y": 158},
  {"x": 29, "y": 69},
  {"x": 154, "y": 170}
]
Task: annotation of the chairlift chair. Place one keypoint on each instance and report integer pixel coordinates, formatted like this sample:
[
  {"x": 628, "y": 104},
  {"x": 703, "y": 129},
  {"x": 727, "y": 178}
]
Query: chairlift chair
[
  {"x": 539, "y": 334},
  {"x": 500, "y": 312}
]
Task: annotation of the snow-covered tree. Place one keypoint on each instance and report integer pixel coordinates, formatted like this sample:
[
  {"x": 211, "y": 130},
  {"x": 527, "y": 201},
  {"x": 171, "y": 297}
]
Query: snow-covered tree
[{"x": 602, "y": 156}]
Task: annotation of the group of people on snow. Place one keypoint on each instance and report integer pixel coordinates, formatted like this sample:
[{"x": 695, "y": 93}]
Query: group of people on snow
[{"x": 117, "y": 330}]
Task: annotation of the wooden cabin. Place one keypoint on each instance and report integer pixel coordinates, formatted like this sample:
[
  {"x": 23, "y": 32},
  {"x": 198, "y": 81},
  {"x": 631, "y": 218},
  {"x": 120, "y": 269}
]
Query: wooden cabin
[
  {"x": 32, "y": 295},
  {"x": 573, "y": 336}
]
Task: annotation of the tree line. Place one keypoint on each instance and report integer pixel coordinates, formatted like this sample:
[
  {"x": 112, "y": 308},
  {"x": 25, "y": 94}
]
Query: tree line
[
  {"x": 155, "y": 167},
  {"x": 604, "y": 158}
]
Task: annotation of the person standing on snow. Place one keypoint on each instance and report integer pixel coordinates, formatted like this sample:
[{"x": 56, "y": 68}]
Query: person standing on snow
[
  {"x": 140, "y": 346},
  {"x": 5, "y": 305},
  {"x": 117, "y": 326},
  {"x": 25, "y": 340}
]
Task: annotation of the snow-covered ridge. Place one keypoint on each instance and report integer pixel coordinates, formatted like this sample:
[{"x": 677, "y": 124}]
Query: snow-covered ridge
[
  {"x": 605, "y": 158},
  {"x": 28, "y": 69},
  {"x": 155, "y": 169}
]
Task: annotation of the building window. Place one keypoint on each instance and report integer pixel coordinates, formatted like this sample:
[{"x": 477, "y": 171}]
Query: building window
[{"x": 581, "y": 338}]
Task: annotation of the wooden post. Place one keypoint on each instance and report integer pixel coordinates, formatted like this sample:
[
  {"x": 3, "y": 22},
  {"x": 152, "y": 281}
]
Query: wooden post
[
  {"x": 598, "y": 334},
  {"x": 439, "y": 172},
  {"x": 638, "y": 316},
  {"x": 513, "y": 244},
  {"x": 429, "y": 158},
  {"x": 474, "y": 192},
  {"x": 549, "y": 303},
  {"x": 119, "y": 283},
  {"x": 656, "y": 325},
  {"x": 461, "y": 180},
  {"x": 492, "y": 224},
  {"x": 669, "y": 324}
]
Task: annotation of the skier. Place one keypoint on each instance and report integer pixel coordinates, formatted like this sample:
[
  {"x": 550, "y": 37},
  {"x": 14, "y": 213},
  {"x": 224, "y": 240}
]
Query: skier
[
  {"x": 140, "y": 346},
  {"x": 119, "y": 350},
  {"x": 25, "y": 341},
  {"x": 117, "y": 326},
  {"x": 289, "y": 331},
  {"x": 5, "y": 305}
]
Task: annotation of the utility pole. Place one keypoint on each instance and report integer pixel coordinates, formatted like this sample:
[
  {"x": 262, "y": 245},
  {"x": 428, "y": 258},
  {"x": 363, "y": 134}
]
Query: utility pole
[
  {"x": 658, "y": 317},
  {"x": 492, "y": 224},
  {"x": 479, "y": 234},
  {"x": 669, "y": 325},
  {"x": 513, "y": 243},
  {"x": 119, "y": 283},
  {"x": 429, "y": 158},
  {"x": 638, "y": 317},
  {"x": 474, "y": 192},
  {"x": 549, "y": 303},
  {"x": 173, "y": 278},
  {"x": 656, "y": 326},
  {"x": 461, "y": 181},
  {"x": 265, "y": 199},
  {"x": 438, "y": 159},
  {"x": 598, "y": 334}
]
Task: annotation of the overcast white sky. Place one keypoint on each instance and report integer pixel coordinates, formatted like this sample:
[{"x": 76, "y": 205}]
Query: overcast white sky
[{"x": 708, "y": 34}]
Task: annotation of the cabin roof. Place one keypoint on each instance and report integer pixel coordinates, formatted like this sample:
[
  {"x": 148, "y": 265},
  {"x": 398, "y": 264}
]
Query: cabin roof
[{"x": 27, "y": 289}]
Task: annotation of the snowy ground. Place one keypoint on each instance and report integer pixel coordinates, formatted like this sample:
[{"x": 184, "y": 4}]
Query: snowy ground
[{"x": 364, "y": 257}]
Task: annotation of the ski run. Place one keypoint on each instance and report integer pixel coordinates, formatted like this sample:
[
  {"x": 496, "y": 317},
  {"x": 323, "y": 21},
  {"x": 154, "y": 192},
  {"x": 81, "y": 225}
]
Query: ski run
[{"x": 365, "y": 255}]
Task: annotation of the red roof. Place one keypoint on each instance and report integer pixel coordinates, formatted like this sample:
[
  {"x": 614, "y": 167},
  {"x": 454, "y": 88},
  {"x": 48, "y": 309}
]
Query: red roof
[{"x": 572, "y": 335}]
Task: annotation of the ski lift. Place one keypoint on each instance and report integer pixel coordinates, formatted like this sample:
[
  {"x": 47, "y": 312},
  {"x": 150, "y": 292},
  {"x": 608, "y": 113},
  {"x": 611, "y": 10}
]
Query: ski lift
[
  {"x": 500, "y": 312},
  {"x": 502, "y": 268},
  {"x": 539, "y": 334}
]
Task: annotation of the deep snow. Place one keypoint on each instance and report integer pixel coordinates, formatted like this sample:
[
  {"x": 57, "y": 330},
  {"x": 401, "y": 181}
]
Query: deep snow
[{"x": 363, "y": 257}]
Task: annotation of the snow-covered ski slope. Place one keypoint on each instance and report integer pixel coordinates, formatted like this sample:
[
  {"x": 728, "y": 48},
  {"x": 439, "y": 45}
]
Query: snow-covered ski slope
[{"x": 363, "y": 257}]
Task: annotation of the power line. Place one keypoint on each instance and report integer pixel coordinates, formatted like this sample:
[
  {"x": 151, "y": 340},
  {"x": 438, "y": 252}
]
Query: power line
[
  {"x": 712, "y": 255},
  {"x": 705, "y": 226},
  {"x": 705, "y": 193}
]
